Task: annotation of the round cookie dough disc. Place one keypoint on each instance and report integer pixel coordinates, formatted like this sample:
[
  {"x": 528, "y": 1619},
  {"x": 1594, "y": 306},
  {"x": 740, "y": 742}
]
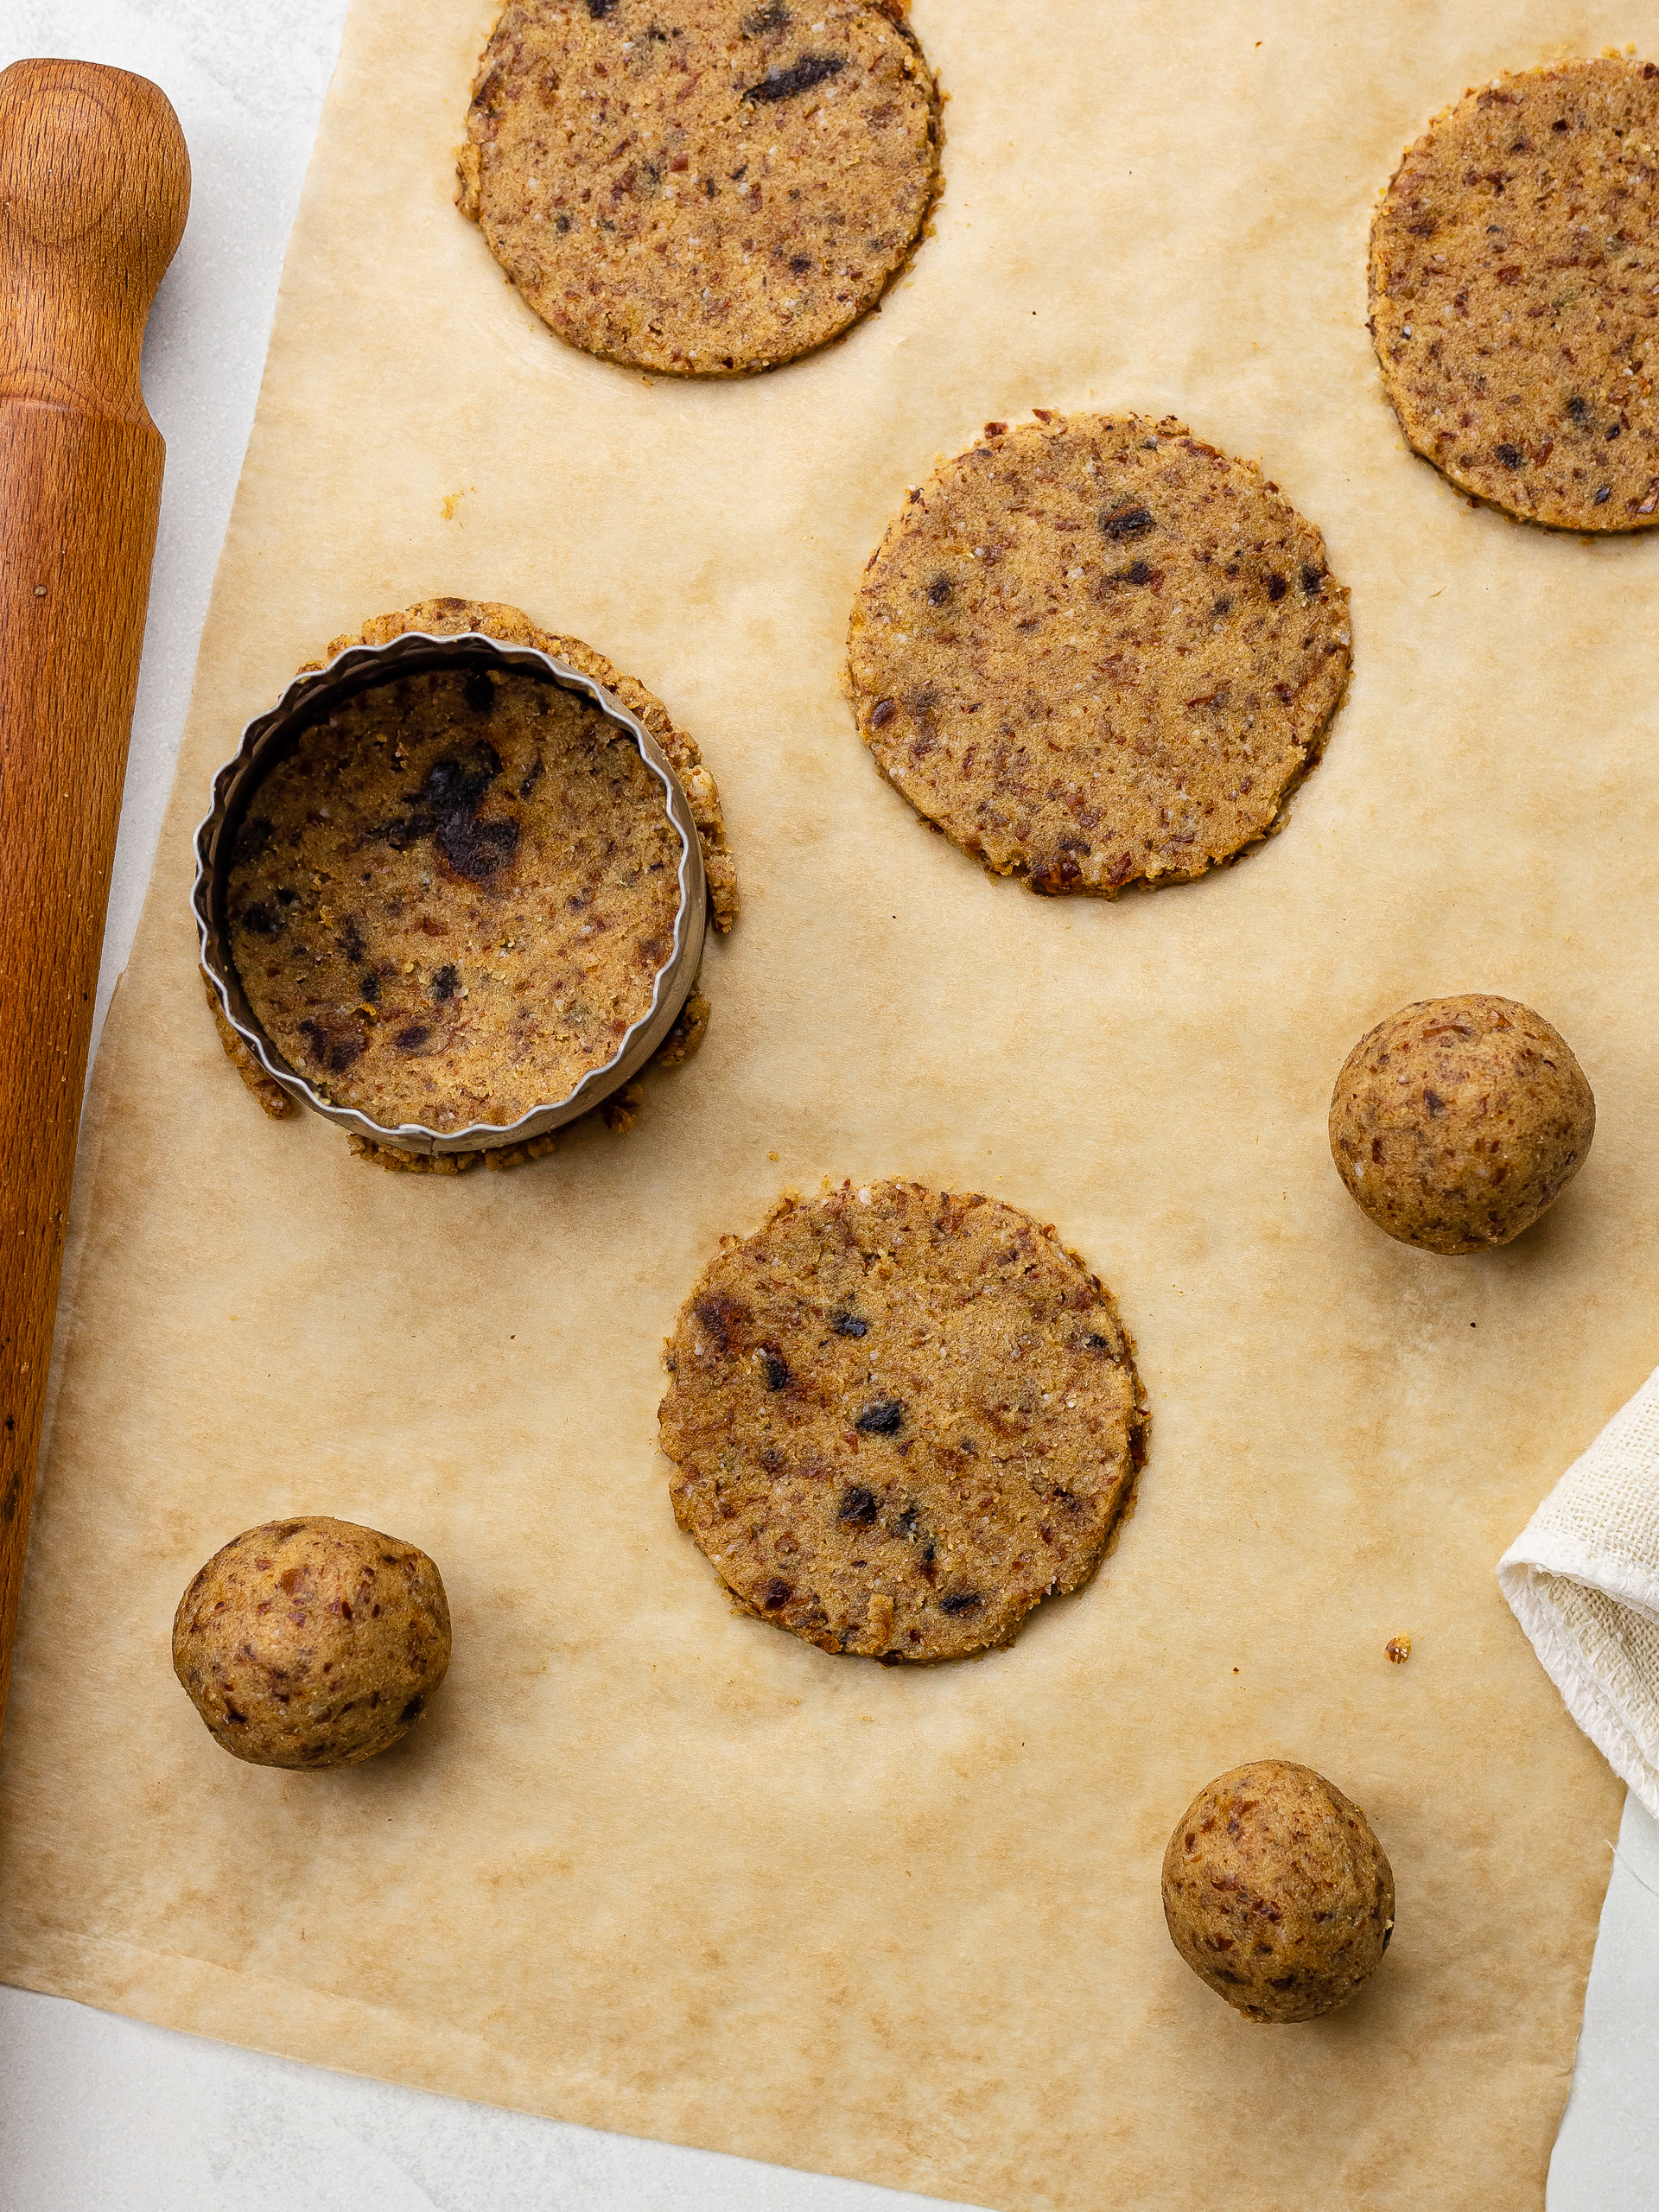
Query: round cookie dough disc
[
  {"x": 703, "y": 189},
  {"x": 1095, "y": 651},
  {"x": 1457, "y": 1121},
  {"x": 900, "y": 1418},
  {"x": 1514, "y": 284}
]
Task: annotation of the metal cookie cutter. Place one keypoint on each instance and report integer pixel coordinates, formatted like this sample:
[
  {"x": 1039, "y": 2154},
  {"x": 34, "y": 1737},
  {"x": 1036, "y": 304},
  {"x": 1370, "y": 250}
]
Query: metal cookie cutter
[{"x": 269, "y": 736}]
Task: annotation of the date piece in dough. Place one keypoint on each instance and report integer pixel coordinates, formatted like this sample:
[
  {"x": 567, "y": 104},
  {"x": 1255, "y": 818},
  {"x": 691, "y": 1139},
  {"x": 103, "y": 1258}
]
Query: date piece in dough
[
  {"x": 312, "y": 1642},
  {"x": 1514, "y": 263},
  {"x": 900, "y": 1418},
  {"x": 706, "y": 188},
  {"x": 1095, "y": 651},
  {"x": 1457, "y": 1121},
  {"x": 1277, "y": 1893}
]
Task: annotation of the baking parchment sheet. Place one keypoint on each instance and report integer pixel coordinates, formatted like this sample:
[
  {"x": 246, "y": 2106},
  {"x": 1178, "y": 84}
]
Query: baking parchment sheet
[{"x": 655, "y": 1867}]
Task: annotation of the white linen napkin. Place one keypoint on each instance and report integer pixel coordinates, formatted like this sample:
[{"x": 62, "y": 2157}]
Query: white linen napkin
[{"x": 1583, "y": 1578}]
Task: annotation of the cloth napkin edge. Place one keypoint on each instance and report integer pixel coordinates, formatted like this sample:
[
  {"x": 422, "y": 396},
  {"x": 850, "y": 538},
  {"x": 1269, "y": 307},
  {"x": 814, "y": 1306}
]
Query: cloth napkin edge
[{"x": 1564, "y": 1661}]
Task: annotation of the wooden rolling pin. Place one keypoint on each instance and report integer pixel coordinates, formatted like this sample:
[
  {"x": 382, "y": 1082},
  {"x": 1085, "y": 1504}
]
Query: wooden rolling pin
[{"x": 94, "y": 184}]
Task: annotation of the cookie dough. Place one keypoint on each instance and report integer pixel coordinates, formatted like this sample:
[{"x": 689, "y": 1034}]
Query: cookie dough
[
  {"x": 271, "y": 1096},
  {"x": 450, "y": 617},
  {"x": 1277, "y": 1893},
  {"x": 451, "y": 899},
  {"x": 900, "y": 1418},
  {"x": 1095, "y": 651},
  {"x": 704, "y": 188},
  {"x": 618, "y": 1112},
  {"x": 1514, "y": 284},
  {"x": 312, "y": 1642},
  {"x": 1458, "y": 1120}
]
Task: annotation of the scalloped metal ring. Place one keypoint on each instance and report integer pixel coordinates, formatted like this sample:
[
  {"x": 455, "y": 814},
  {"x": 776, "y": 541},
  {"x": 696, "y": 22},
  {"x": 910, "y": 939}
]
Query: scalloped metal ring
[{"x": 265, "y": 740}]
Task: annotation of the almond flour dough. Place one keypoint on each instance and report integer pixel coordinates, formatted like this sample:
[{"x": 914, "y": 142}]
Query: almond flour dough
[
  {"x": 450, "y": 900},
  {"x": 1277, "y": 1893},
  {"x": 900, "y": 1418},
  {"x": 1457, "y": 1121},
  {"x": 705, "y": 188},
  {"x": 450, "y": 617},
  {"x": 1095, "y": 651},
  {"x": 1514, "y": 287},
  {"x": 312, "y": 1642}
]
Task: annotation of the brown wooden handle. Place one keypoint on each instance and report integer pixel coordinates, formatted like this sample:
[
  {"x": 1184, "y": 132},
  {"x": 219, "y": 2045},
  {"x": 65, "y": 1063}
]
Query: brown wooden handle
[{"x": 94, "y": 184}]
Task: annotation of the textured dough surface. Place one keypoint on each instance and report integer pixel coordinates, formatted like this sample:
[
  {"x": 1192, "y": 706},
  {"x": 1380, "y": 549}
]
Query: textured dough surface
[
  {"x": 450, "y": 901},
  {"x": 899, "y": 1417},
  {"x": 1514, "y": 289},
  {"x": 704, "y": 187},
  {"x": 1458, "y": 1120},
  {"x": 1095, "y": 651},
  {"x": 450, "y": 617},
  {"x": 312, "y": 1642},
  {"x": 1277, "y": 1893}
]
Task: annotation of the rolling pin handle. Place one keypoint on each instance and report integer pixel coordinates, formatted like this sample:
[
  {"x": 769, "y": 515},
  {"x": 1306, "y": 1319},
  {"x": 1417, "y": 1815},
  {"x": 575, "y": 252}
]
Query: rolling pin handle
[{"x": 94, "y": 187}]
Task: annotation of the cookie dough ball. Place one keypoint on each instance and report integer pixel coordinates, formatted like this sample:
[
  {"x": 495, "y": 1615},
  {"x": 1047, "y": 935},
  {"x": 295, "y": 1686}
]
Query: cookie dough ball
[
  {"x": 1457, "y": 1121},
  {"x": 312, "y": 1642},
  {"x": 1277, "y": 1893}
]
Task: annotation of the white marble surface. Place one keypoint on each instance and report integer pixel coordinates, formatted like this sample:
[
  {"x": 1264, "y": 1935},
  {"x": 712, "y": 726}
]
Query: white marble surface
[{"x": 104, "y": 2114}]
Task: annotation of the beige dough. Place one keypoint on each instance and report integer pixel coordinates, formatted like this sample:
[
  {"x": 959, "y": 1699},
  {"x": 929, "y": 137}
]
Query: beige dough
[
  {"x": 1512, "y": 280},
  {"x": 1457, "y": 1121},
  {"x": 1094, "y": 650},
  {"x": 453, "y": 896},
  {"x": 312, "y": 1642},
  {"x": 900, "y": 1418},
  {"x": 705, "y": 192},
  {"x": 1277, "y": 1893}
]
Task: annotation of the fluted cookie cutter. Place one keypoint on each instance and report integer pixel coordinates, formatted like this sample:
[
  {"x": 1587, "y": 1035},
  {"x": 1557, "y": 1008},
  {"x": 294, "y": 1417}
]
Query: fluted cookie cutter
[{"x": 269, "y": 736}]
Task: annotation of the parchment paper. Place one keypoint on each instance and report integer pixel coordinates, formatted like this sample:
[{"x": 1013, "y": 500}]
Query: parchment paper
[{"x": 652, "y": 1866}]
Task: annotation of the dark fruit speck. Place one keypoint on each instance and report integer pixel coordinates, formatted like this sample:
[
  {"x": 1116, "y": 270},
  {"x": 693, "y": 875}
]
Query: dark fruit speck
[
  {"x": 721, "y": 1317},
  {"x": 783, "y": 83},
  {"x": 1120, "y": 523},
  {"x": 882, "y": 1417}
]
